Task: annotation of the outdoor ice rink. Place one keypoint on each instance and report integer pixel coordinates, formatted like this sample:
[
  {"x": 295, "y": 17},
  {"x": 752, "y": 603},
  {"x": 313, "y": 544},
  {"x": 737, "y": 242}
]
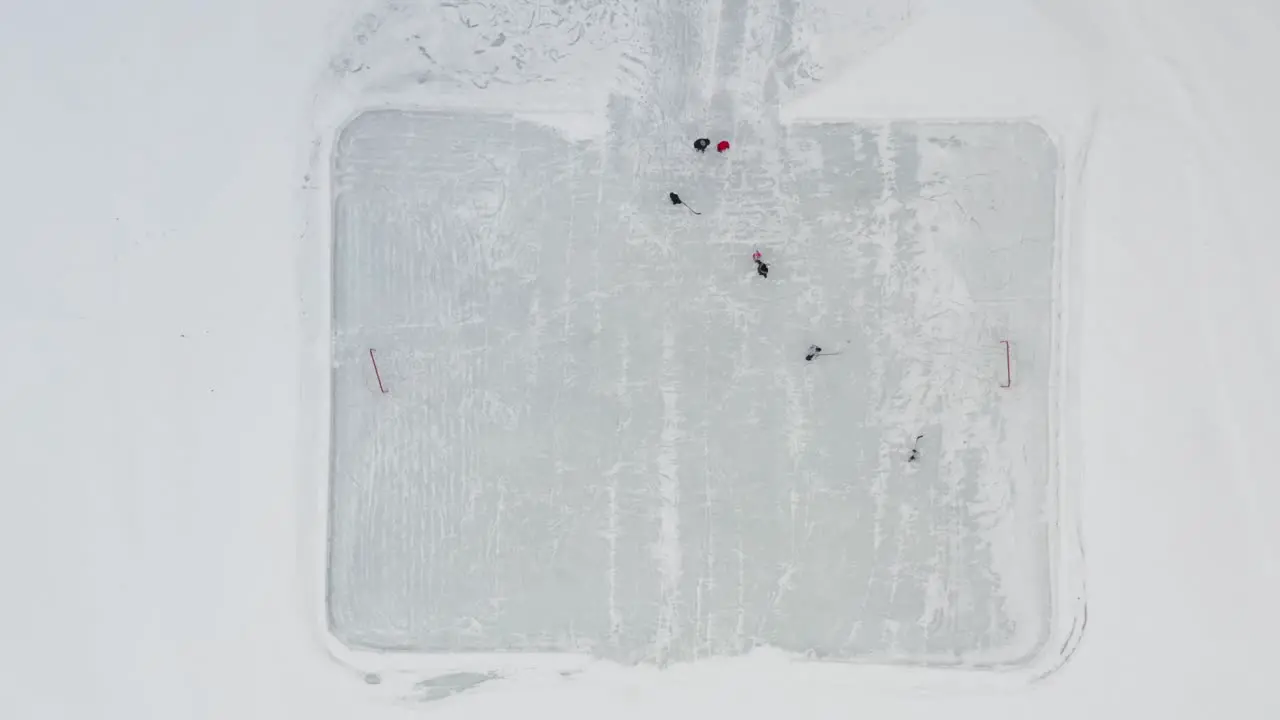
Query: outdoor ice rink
[{"x": 600, "y": 434}]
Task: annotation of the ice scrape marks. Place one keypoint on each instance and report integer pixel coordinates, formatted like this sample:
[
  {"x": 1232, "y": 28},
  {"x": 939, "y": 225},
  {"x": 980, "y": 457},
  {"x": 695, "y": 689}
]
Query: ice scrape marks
[
  {"x": 669, "y": 550},
  {"x": 609, "y": 443}
]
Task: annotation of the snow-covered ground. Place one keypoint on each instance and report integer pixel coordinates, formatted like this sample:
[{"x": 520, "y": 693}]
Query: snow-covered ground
[{"x": 162, "y": 493}]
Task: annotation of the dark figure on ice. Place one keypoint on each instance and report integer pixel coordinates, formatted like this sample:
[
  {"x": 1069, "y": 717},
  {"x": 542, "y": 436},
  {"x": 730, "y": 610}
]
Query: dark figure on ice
[
  {"x": 814, "y": 351},
  {"x": 915, "y": 450},
  {"x": 675, "y": 200},
  {"x": 761, "y": 267},
  {"x": 701, "y": 144}
]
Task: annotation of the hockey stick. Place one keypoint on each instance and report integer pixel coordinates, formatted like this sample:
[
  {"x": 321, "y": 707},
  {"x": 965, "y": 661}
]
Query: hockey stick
[{"x": 675, "y": 200}]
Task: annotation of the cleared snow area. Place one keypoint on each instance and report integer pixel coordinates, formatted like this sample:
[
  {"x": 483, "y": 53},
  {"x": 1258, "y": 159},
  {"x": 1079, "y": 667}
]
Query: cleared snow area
[
  {"x": 599, "y": 431},
  {"x": 179, "y": 380}
]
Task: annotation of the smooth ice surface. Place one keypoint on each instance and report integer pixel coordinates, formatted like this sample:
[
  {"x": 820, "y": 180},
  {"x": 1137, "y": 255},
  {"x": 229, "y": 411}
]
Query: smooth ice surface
[{"x": 600, "y": 433}]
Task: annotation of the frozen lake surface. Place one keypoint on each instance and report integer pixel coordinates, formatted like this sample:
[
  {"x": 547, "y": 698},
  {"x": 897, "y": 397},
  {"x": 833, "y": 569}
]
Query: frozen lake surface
[{"x": 600, "y": 433}]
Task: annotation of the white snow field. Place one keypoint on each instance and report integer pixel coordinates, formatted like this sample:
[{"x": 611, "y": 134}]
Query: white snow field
[
  {"x": 602, "y": 482},
  {"x": 599, "y": 432}
]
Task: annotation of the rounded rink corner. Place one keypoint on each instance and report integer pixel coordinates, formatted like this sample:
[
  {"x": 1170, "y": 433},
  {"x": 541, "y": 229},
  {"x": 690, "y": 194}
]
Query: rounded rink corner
[{"x": 411, "y": 221}]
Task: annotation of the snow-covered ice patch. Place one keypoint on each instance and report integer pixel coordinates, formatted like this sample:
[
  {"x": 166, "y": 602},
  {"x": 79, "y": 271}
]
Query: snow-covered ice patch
[{"x": 575, "y": 127}]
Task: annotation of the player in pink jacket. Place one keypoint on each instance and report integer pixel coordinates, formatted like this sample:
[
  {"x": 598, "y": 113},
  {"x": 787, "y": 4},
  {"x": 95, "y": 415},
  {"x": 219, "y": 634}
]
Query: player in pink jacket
[{"x": 761, "y": 267}]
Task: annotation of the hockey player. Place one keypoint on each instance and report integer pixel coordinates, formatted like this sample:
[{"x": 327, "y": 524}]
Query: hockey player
[
  {"x": 915, "y": 450},
  {"x": 761, "y": 268},
  {"x": 722, "y": 146},
  {"x": 701, "y": 144},
  {"x": 814, "y": 351},
  {"x": 675, "y": 200}
]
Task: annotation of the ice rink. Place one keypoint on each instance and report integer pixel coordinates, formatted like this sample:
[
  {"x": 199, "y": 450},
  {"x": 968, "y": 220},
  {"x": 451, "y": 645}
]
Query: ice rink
[{"x": 599, "y": 432}]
